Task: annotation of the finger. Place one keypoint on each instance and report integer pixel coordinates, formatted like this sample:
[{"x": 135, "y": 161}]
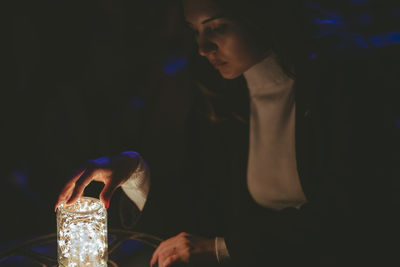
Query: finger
[
  {"x": 161, "y": 258},
  {"x": 170, "y": 260},
  {"x": 64, "y": 195},
  {"x": 156, "y": 253},
  {"x": 168, "y": 249},
  {"x": 154, "y": 258},
  {"x": 68, "y": 188},
  {"x": 107, "y": 193},
  {"x": 81, "y": 184},
  {"x": 63, "y": 199},
  {"x": 76, "y": 175},
  {"x": 169, "y": 243}
]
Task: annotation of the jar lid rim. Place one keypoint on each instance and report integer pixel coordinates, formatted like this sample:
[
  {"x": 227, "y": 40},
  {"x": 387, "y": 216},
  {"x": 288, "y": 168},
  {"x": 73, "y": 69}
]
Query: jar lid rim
[{"x": 64, "y": 208}]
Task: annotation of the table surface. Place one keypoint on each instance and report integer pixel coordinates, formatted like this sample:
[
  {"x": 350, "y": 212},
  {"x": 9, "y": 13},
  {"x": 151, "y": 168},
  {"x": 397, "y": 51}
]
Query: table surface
[{"x": 125, "y": 248}]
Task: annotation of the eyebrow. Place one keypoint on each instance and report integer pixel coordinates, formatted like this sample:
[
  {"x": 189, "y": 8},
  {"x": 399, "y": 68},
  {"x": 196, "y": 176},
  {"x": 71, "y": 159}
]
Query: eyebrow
[
  {"x": 190, "y": 25},
  {"x": 212, "y": 18}
]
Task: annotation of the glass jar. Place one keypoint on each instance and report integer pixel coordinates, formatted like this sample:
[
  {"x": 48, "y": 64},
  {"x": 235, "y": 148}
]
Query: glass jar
[{"x": 82, "y": 234}]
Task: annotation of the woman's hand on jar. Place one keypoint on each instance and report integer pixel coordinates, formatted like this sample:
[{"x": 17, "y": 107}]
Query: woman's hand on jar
[
  {"x": 187, "y": 249},
  {"x": 112, "y": 171}
]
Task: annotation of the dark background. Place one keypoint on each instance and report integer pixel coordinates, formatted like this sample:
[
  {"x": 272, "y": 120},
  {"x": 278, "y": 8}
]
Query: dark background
[{"x": 84, "y": 79}]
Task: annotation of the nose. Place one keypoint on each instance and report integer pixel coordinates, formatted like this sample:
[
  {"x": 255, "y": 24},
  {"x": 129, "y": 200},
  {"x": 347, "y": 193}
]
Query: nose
[{"x": 205, "y": 46}]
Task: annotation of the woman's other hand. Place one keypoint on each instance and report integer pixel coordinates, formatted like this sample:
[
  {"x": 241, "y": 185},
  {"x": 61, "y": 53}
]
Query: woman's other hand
[
  {"x": 112, "y": 171},
  {"x": 187, "y": 249}
]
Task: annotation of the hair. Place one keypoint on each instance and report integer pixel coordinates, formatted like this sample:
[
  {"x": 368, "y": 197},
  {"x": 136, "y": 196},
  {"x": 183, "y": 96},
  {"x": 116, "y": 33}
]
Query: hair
[
  {"x": 285, "y": 26},
  {"x": 281, "y": 25}
]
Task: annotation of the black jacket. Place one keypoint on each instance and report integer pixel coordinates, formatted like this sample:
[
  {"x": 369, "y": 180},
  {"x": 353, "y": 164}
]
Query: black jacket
[{"x": 346, "y": 150}]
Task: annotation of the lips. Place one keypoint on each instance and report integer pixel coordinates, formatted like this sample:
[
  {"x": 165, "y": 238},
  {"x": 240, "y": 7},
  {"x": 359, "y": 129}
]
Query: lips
[{"x": 217, "y": 63}]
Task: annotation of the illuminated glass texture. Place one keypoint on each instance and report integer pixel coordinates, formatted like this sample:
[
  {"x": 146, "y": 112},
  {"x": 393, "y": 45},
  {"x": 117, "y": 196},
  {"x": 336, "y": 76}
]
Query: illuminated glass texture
[{"x": 82, "y": 234}]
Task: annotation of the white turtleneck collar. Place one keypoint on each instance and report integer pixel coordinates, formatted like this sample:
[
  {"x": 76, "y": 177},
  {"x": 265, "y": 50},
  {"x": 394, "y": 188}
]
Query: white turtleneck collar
[{"x": 266, "y": 77}]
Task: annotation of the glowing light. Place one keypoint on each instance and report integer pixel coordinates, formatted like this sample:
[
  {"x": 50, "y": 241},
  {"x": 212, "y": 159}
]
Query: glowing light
[
  {"x": 391, "y": 38},
  {"x": 82, "y": 234},
  {"x": 175, "y": 65}
]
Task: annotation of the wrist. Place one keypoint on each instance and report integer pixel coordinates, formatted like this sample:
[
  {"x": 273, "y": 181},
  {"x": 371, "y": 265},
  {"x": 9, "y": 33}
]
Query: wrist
[{"x": 208, "y": 253}]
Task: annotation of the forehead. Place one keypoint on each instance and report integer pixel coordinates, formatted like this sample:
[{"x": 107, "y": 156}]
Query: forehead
[{"x": 198, "y": 10}]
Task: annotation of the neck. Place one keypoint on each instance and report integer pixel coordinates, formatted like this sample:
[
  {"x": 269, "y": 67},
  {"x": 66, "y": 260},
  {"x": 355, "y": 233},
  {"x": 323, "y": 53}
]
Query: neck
[{"x": 267, "y": 77}]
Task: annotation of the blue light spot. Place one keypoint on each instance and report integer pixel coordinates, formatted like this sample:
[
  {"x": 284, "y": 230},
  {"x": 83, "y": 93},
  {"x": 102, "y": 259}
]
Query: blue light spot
[
  {"x": 47, "y": 249},
  {"x": 360, "y": 40},
  {"x": 398, "y": 123},
  {"x": 358, "y": 2},
  {"x": 327, "y": 21},
  {"x": 362, "y": 43},
  {"x": 385, "y": 39},
  {"x": 103, "y": 161},
  {"x": 131, "y": 246},
  {"x": 313, "y": 56},
  {"x": 175, "y": 65},
  {"x": 137, "y": 102}
]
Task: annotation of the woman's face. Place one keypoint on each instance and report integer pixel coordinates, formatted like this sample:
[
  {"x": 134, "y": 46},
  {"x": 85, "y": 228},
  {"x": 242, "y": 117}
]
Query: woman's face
[{"x": 227, "y": 46}]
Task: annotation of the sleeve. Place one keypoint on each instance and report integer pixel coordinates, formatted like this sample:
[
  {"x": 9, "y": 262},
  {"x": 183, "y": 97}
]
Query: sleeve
[
  {"x": 221, "y": 251},
  {"x": 138, "y": 185},
  {"x": 170, "y": 204}
]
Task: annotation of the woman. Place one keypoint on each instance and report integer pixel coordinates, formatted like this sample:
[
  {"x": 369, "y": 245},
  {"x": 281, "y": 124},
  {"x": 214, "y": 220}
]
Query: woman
[{"x": 295, "y": 172}]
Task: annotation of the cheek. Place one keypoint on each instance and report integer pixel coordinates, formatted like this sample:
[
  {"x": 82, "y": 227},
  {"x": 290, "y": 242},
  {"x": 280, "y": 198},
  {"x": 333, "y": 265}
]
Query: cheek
[{"x": 239, "y": 55}]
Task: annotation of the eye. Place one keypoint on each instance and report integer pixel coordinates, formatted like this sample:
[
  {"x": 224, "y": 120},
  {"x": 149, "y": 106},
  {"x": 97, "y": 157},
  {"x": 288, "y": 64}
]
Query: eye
[
  {"x": 209, "y": 31},
  {"x": 215, "y": 30},
  {"x": 219, "y": 29}
]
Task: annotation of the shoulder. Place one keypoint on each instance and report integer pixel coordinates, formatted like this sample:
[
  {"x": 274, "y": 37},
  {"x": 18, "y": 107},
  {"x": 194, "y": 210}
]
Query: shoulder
[
  {"x": 354, "y": 74},
  {"x": 351, "y": 89}
]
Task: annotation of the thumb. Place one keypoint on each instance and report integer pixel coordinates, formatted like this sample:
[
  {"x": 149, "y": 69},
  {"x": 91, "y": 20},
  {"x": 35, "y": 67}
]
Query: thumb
[{"x": 106, "y": 193}]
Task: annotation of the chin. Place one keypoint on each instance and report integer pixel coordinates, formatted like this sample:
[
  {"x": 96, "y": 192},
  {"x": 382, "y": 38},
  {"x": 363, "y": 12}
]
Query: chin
[{"x": 229, "y": 75}]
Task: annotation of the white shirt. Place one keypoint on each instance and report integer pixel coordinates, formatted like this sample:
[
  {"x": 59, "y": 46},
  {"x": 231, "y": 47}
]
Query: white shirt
[{"x": 272, "y": 177}]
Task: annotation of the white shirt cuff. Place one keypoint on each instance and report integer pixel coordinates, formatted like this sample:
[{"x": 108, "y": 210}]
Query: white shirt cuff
[
  {"x": 137, "y": 187},
  {"x": 221, "y": 250}
]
